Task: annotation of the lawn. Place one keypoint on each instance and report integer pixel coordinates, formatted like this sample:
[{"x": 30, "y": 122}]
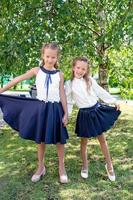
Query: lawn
[{"x": 18, "y": 162}]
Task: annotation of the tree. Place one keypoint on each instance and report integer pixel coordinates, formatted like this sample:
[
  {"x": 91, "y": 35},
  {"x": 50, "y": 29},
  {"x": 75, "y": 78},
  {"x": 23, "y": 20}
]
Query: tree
[
  {"x": 81, "y": 27},
  {"x": 99, "y": 26}
]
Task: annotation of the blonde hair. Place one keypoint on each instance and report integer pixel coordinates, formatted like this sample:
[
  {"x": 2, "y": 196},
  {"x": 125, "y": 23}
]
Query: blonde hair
[
  {"x": 87, "y": 75},
  {"x": 52, "y": 46}
]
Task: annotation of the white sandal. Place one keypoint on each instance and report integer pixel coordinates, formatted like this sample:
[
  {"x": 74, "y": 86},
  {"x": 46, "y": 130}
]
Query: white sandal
[
  {"x": 36, "y": 177},
  {"x": 63, "y": 178},
  {"x": 84, "y": 173},
  {"x": 110, "y": 176}
]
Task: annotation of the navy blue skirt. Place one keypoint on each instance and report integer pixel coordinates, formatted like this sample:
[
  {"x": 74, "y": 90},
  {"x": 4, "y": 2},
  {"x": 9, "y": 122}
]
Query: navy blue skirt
[
  {"x": 34, "y": 119},
  {"x": 93, "y": 121}
]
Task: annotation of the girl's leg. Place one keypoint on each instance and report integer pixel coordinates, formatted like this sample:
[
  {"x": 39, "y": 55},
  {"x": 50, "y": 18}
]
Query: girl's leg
[
  {"x": 105, "y": 151},
  {"x": 60, "y": 150},
  {"x": 40, "y": 169},
  {"x": 40, "y": 155},
  {"x": 83, "y": 150},
  {"x": 62, "y": 172}
]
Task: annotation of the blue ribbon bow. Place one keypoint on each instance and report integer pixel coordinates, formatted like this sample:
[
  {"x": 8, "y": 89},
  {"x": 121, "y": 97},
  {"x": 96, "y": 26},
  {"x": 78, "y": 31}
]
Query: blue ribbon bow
[{"x": 48, "y": 81}]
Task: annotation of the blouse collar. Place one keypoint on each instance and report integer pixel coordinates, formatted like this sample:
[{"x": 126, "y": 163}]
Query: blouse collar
[
  {"x": 78, "y": 79},
  {"x": 49, "y": 71}
]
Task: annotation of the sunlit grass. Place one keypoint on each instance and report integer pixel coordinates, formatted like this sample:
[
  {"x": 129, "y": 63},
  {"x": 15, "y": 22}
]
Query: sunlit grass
[{"x": 18, "y": 162}]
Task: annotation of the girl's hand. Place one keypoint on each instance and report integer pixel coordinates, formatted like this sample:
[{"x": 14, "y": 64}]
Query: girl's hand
[
  {"x": 117, "y": 106},
  {"x": 65, "y": 119},
  {"x": 1, "y": 90}
]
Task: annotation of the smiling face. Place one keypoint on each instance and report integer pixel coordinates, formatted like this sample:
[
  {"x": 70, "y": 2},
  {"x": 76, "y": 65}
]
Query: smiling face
[
  {"x": 50, "y": 57},
  {"x": 80, "y": 69}
]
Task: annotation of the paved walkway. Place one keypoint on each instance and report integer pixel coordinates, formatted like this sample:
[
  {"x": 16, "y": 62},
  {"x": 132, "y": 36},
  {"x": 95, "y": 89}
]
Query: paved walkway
[
  {"x": 1, "y": 120},
  {"x": 17, "y": 93}
]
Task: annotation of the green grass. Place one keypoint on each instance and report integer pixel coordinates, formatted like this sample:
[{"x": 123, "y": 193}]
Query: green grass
[{"x": 18, "y": 162}]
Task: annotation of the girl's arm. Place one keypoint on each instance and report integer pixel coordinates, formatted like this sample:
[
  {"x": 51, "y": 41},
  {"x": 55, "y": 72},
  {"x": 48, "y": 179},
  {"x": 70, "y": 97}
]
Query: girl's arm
[
  {"x": 63, "y": 99},
  {"x": 25, "y": 76},
  {"x": 70, "y": 101},
  {"x": 103, "y": 94}
]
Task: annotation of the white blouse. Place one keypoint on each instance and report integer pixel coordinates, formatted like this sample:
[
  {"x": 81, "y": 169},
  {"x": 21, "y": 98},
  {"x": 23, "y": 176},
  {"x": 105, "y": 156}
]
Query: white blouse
[
  {"x": 76, "y": 92},
  {"x": 48, "y": 92}
]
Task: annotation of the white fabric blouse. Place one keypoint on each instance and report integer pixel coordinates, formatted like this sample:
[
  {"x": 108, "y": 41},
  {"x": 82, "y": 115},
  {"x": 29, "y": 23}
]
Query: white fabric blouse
[
  {"x": 76, "y": 92},
  {"x": 47, "y": 84}
]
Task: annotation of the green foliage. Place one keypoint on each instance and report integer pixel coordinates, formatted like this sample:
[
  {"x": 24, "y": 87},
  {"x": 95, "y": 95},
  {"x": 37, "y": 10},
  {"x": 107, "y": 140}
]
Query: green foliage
[
  {"x": 80, "y": 27},
  {"x": 89, "y": 28},
  {"x": 121, "y": 71}
]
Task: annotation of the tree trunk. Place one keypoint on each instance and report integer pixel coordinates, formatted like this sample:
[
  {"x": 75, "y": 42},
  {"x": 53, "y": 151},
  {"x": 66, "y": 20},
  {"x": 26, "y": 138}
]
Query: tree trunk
[
  {"x": 103, "y": 75},
  {"x": 103, "y": 67}
]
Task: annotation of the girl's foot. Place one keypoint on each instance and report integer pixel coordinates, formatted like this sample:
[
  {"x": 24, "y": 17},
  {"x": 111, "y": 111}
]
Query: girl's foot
[
  {"x": 84, "y": 172},
  {"x": 39, "y": 173},
  {"x": 110, "y": 173},
  {"x": 63, "y": 178}
]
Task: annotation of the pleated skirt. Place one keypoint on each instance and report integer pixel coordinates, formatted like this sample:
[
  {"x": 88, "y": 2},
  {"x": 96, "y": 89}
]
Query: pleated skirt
[
  {"x": 95, "y": 120},
  {"x": 34, "y": 119}
]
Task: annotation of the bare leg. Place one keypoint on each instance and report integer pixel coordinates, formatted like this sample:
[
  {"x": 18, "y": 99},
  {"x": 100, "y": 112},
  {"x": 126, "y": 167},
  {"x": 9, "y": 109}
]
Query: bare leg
[
  {"x": 83, "y": 150},
  {"x": 105, "y": 151},
  {"x": 60, "y": 150},
  {"x": 40, "y": 155}
]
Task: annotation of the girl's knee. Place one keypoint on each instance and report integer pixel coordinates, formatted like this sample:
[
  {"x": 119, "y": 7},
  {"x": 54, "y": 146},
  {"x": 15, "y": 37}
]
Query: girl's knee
[
  {"x": 102, "y": 139},
  {"x": 84, "y": 141}
]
